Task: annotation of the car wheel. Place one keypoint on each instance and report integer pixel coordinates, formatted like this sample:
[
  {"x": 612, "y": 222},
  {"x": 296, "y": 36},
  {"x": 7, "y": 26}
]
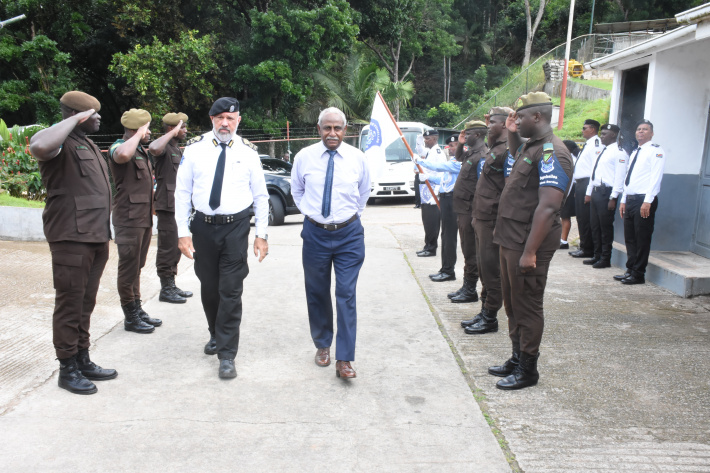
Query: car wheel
[{"x": 276, "y": 211}]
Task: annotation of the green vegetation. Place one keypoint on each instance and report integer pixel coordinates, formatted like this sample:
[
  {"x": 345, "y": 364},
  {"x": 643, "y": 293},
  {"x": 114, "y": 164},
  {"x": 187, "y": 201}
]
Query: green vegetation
[
  {"x": 9, "y": 201},
  {"x": 576, "y": 111},
  {"x": 598, "y": 83}
]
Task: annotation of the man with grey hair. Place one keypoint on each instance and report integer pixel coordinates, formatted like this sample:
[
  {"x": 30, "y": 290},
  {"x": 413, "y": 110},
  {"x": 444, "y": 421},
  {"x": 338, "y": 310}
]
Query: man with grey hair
[{"x": 330, "y": 183}]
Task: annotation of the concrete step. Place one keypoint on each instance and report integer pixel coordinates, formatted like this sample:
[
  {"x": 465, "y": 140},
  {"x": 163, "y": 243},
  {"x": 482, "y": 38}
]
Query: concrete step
[{"x": 681, "y": 272}]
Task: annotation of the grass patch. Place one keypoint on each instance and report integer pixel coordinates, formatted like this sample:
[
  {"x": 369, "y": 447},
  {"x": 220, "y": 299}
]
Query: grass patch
[
  {"x": 598, "y": 83},
  {"x": 9, "y": 201},
  {"x": 576, "y": 111}
]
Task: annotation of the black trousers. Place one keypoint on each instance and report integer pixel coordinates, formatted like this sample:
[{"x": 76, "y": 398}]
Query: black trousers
[
  {"x": 168, "y": 254},
  {"x": 581, "y": 209},
  {"x": 468, "y": 247},
  {"x": 133, "y": 244},
  {"x": 431, "y": 219},
  {"x": 637, "y": 234},
  {"x": 602, "y": 222},
  {"x": 77, "y": 269},
  {"x": 449, "y": 229},
  {"x": 417, "y": 195},
  {"x": 221, "y": 266}
]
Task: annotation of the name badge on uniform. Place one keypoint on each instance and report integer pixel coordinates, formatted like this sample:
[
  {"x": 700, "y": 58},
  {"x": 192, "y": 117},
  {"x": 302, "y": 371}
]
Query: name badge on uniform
[
  {"x": 138, "y": 157},
  {"x": 527, "y": 160},
  {"x": 81, "y": 147}
]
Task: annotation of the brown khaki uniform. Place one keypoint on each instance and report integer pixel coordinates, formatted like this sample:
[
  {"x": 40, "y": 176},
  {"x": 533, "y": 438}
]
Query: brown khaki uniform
[
  {"x": 485, "y": 211},
  {"x": 132, "y": 219},
  {"x": 464, "y": 190},
  {"x": 523, "y": 293},
  {"x": 77, "y": 228},
  {"x": 166, "y": 167}
]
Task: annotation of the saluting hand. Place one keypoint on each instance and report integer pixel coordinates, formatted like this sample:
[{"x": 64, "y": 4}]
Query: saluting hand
[
  {"x": 462, "y": 137},
  {"x": 143, "y": 130},
  {"x": 510, "y": 124},
  {"x": 83, "y": 116}
]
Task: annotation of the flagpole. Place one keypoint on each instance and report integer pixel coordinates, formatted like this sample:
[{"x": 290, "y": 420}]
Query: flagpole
[{"x": 411, "y": 153}]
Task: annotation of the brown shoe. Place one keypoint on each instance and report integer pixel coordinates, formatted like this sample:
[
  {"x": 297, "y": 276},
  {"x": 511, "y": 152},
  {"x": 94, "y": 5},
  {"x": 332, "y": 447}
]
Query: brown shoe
[
  {"x": 344, "y": 370},
  {"x": 323, "y": 356}
]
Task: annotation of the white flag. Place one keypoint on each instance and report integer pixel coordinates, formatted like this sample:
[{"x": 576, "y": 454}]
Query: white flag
[{"x": 382, "y": 133}]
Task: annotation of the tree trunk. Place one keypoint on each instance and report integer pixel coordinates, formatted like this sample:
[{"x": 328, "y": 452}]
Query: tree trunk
[{"x": 531, "y": 28}]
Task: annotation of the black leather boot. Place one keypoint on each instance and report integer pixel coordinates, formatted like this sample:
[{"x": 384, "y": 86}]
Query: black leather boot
[
  {"x": 145, "y": 317},
  {"x": 91, "y": 370},
  {"x": 71, "y": 379},
  {"x": 468, "y": 322},
  {"x": 487, "y": 323},
  {"x": 509, "y": 366},
  {"x": 133, "y": 322},
  {"x": 523, "y": 376},
  {"x": 456, "y": 293},
  {"x": 179, "y": 291},
  {"x": 211, "y": 346},
  {"x": 168, "y": 293},
  {"x": 468, "y": 293}
]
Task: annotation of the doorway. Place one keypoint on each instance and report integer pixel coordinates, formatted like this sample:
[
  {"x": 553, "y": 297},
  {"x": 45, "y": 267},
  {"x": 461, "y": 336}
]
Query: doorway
[
  {"x": 701, "y": 240},
  {"x": 633, "y": 104}
]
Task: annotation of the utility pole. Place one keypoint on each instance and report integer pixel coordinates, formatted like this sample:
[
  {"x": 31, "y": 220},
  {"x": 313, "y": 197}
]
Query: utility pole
[
  {"x": 563, "y": 94},
  {"x": 11, "y": 20}
]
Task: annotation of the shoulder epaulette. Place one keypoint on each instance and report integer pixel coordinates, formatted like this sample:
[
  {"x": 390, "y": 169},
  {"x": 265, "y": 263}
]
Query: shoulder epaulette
[
  {"x": 655, "y": 145},
  {"x": 249, "y": 144},
  {"x": 194, "y": 140}
]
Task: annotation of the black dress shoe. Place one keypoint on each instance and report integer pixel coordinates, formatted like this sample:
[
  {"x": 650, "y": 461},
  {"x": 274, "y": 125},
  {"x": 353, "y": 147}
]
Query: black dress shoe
[
  {"x": 441, "y": 277},
  {"x": 591, "y": 261},
  {"x": 633, "y": 280},
  {"x": 580, "y": 254},
  {"x": 424, "y": 254},
  {"x": 227, "y": 369},
  {"x": 564, "y": 246},
  {"x": 601, "y": 264},
  {"x": 619, "y": 277},
  {"x": 417, "y": 206},
  {"x": 211, "y": 346}
]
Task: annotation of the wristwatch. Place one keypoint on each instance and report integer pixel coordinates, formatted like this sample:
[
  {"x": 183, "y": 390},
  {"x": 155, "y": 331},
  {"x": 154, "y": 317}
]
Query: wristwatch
[{"x": 263, "y": 237}]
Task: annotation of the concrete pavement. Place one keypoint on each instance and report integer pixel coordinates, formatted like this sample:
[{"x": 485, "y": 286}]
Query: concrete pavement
[{"x": 623, "y": 375}]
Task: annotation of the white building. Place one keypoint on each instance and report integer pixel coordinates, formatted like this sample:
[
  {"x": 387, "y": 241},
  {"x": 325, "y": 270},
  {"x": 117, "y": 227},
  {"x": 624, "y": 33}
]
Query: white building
[{"x": 667, "y": 80}]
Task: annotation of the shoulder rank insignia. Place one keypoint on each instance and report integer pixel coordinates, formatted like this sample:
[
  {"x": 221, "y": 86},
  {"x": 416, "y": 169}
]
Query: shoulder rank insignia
[
  {"x": 527, "y": 160},
  {"x": 493, "y": 156},
  {"x": 596, "y": 142},
  {"x": 547, "y": 151},
  {"x": 194, "y": 140},
  {"x": 655, "y": 145},
  {"x": 249, "y": 144},
  {"x": 438, "y": 150}
]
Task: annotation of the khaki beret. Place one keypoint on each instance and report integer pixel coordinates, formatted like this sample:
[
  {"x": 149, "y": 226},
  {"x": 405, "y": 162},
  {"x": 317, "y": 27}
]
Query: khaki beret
[
  {"x": 505, "y": 111},
  {"x": 135, "y": 118},
  {"x": 173, "y": 119},
  {"x": 534, "y": 99},
  {"x": 474, "y": 124},
  {"x": 80, "y": 101}
]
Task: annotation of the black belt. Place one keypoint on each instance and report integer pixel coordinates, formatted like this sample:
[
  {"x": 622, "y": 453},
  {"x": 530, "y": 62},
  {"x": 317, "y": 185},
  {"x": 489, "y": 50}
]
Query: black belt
[
  {"x": 601, "y": 187},
  {"x": 636, "y": 197},
  {"x": 445, "y": 193},
  {"x": 331, "y": 227},
  {"x": 221, "y": 219}
]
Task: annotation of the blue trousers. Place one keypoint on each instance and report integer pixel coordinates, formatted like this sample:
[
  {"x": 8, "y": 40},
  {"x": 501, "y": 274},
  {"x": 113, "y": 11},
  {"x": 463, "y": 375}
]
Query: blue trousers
[{"x": 323, "y": 250}]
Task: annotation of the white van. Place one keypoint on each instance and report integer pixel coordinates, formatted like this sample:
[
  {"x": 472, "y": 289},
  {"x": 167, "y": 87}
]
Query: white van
[{"x": 397, "y": 179}]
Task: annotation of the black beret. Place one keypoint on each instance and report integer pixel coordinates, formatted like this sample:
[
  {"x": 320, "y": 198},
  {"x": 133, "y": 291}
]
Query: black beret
[
  {"x": 431, "y": 132},
  {"x": 224, "y": 104},
  {"x": 594, "y": 123},
  {"x": 613, "y": 128},
  {"x": 452, "y": 139}
]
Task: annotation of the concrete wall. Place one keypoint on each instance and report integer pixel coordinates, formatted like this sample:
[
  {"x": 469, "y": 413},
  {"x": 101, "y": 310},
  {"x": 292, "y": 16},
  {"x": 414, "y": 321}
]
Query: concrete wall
[
  {"x": 575, "y": 90},
  {"x": 20, "y": 223}
]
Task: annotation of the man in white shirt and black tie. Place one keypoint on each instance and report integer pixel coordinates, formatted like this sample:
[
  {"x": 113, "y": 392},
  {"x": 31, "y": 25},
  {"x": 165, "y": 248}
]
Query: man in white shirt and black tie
[
  {"x": 221, "y": 176},
  {"x": 582, "y": 172},
  {"x": 330, "y": 183},
  {"x": 640, "y": 201},
  {"x": 605, "y": 185}
]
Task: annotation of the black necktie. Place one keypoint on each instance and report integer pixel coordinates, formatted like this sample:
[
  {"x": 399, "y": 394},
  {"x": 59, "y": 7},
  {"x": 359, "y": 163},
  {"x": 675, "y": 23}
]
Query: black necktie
[
  {"x": 328, "y": 187},
  {"x": 216, "y": 194},
  {"x": 633, "y": 163},
  {"x": 597, "y": 164}
]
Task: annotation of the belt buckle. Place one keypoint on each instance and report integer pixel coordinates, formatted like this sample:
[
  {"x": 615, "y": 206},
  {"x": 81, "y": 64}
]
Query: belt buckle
[{"x": 208, "y": 218}]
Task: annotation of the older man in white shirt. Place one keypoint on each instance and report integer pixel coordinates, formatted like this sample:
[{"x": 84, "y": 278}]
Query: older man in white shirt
[
  {"x": 221, "y": 176},
  {"x": 330, "y": 183},
  {"x": 605, "y": 186}
]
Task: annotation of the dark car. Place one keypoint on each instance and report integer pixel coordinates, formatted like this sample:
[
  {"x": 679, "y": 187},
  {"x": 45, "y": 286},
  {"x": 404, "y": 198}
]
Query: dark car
[{"x": 278, "y": 182}]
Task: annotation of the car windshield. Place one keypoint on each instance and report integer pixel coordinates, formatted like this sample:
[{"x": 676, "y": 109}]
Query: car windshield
[
  {"x": 276, "y": 166},
  {"x": 397, "y": 151}
]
